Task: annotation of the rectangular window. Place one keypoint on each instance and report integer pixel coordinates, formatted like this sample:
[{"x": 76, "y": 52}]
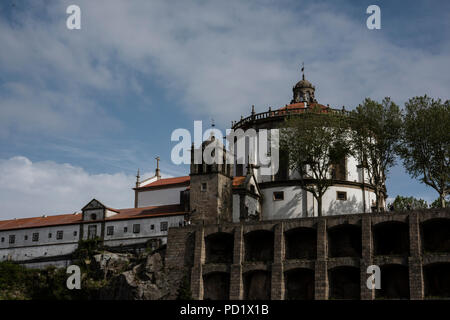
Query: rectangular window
[
  {"x": 12, "y": 238},
  {"x": 278, "y": 195},
  {"x": 92, "y": 232},
  {"x": 26, "y": 237},
  {"x": 341, "y": 195},
  {"x": 3, "y": 239},
  {"x": 163, "y": 226},
  {"x": 204, "y": 186},
  {"x": 125, "y": 229},
  {"x": 75, "y": 233},
  {"x": 136, "y": 228},
  {"x": 110, "y": 231},
  {"x": 152, "y": 227},
  {"x": 50, "y": 235},
  {"x": 59, "y": 235},
  {"x": 35, "y": 237}
]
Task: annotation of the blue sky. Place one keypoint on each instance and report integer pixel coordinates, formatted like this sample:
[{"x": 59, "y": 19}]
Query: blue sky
[{"x": 81, "y": 110}]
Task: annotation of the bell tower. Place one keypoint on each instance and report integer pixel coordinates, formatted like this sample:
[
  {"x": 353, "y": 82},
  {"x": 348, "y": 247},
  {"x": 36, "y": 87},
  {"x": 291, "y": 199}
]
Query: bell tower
[{"x": 211, "y": 184}]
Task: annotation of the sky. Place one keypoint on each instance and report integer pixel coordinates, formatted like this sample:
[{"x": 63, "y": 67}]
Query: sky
[{"x": 82, "y": 110}]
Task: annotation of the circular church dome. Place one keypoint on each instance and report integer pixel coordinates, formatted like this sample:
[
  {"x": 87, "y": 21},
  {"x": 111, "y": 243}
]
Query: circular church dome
[{"x": 303, "y": 84}]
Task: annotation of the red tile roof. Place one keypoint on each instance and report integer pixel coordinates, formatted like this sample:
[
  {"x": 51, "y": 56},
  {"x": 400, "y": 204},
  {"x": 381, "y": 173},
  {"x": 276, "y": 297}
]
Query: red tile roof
[
  {"x": 237, "y": 181},
  {"x": 67, "y": 219},
  {"x": 172, "y": 182},
  {"x": 169, "y": 182},
  {"x": 146, "y": 212},
  {"x": 302, "y": 105},
  {"x": 25, "y": 223}
]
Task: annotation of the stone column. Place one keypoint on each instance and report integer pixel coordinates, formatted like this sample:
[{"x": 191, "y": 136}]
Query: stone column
[
  {"x": 199, "y": 260},
  {"x": 416, "y": 285},
  {"x": 321, "y": 271},
  {"x": 277, "y": 286},
  {"x": 367, "y": 257},
  {"x": 236, "y": 281}
]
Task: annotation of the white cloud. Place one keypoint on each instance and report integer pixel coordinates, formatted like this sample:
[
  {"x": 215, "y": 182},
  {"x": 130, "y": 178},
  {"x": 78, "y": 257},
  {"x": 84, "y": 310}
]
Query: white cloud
[
  {"x": 29, "y": 189},
  {"x": 216, "y": 58}
]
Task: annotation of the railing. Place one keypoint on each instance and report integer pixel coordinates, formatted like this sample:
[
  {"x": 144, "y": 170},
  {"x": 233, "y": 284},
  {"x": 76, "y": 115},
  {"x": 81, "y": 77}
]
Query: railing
[{"x": 284, "y": 113}]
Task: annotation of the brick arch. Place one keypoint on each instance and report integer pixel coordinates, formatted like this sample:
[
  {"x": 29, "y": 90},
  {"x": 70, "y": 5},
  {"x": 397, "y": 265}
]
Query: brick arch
[
  {"x": 391, "y": 238},
  {"x": 437, "y": 280},
  {"x": 344, "y": 240},
  {"x": 257, "y": 285},
  {"x": 259, "y": 245},
  {"x": 436, "y": 235},
  {"x": 299, "y": 284},
  {"x": 394, "y": 282},
  {"x": 216, "y": 286},
  {"x": 301, "y": 243},
  {"x": 219, "y": 248},
  {"x": 344, "y": 283}
]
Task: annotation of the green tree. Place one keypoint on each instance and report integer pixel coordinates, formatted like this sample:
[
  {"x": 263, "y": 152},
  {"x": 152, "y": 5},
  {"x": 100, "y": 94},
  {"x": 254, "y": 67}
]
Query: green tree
[
  {"x": 438, "y": 204},
  {"x": 313, "y": 142},
  {"x": 409, "y": 203},
  {"x": 375, "y": 138},
  {"x": 426, "y": 143}
]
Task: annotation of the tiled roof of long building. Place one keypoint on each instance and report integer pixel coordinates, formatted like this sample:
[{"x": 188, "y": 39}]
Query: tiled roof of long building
[{"x": 75, "y": 218}]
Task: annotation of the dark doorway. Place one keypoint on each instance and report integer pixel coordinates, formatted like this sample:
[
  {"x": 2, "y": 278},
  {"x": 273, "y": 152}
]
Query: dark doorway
[
  {"x": 394, "y": 282},
  {"x": 391, "y": 238},
  {"x": 301, "y": 243},
  {"x": 216, "y": 286},
  {"x": 437, "y": 280},
  {"x": 259, "y": 246},
  {"x": 344, "y": 283},
  {"x": 257, "y": 285},
  {"x": 436, "y": 235},
  {"x": 344, "y": 241},
  {"x": 219, "y": 248},
  {"x": 299, "y": 284}
]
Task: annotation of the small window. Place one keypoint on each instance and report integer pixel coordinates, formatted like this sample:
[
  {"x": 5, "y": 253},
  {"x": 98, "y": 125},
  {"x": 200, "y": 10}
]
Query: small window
[
  {"x": 204, "y": 186},
  {"x": 152, "y": 227},
  {"x": 341, "y": 195},
  {"x": 49, "y": 235},
  {"x": 35, "y": 237},
  {"x": 26, "y": 237},
  {"x": 75, "y": 233},
  {"x": 3, "y": 239},
  {"x": 93, "y": 216},
  {"x": 110, "y": 231},
  {"x": 163, "y": 226},
  {"x": 136, "y": 228},
  {"x": 278, "y": 195},
  {"x": 59, "y": 235},
  {"x": 12, "y": 238},
  {"x": 125, "y": 229}
]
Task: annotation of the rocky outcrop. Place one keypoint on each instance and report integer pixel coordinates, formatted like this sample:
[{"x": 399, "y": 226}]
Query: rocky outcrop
[{"x": 136, "y": 278}]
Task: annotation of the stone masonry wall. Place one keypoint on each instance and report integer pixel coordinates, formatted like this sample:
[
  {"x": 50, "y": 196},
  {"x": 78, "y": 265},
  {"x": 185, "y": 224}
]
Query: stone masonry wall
[{"x": 413, "y": 260}]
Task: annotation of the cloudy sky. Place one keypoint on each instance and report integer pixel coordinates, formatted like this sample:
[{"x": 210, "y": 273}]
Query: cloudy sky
[{"x": 81, "y": 110}]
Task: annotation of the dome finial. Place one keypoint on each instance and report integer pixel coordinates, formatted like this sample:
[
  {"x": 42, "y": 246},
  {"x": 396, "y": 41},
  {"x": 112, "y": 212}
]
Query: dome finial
[{"x": 303, "y": 70}]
